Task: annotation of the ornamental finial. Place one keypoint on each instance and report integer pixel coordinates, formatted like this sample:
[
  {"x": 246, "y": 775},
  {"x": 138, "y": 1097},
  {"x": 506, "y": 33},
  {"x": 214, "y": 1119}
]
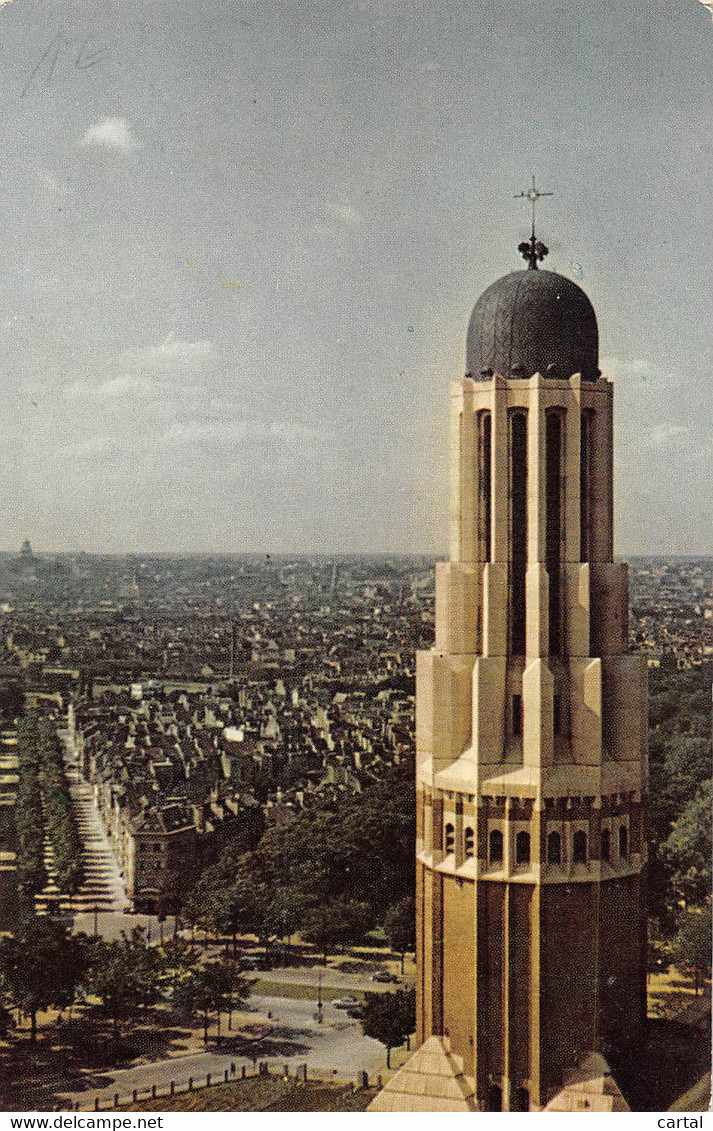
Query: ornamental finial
[{"x": 533, "y": 250}]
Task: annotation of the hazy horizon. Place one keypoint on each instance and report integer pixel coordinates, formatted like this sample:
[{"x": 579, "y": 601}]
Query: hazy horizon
[
  {"x": 291, "y": 554},
  {"x": 242, "y": 243}
]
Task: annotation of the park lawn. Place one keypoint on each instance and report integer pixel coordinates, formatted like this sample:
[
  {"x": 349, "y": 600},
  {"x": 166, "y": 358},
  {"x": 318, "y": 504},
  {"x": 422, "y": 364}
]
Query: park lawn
[
  {"x": 670, "y": 992},
  {"x": 264, "y": 1093},
  {"x": 301, "y": 992}
]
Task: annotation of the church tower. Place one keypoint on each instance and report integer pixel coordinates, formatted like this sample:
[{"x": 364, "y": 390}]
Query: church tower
[{"x": 531, "y": 726}]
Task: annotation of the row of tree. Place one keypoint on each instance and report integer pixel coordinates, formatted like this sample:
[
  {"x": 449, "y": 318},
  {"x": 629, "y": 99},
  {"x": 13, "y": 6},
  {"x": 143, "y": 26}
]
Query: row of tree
[
  {"x": 43, "y": 809},
  {"x": 29, "y": 821},
  {"x": 60, "y": 822},
  {"x": 339, "y": 870},
  {"x": 44, "y": 966},
  {"x": 680, "y": 819},
  {"x": 680, "y": 793}
]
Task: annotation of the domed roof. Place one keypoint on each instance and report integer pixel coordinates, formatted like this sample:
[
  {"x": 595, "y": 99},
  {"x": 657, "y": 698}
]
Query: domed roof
[{"x": 530, "y": 322}]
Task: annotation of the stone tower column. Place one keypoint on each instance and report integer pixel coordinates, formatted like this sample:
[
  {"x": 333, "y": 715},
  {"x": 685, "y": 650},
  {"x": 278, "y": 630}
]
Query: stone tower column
[{"x": 531, "y": 718}]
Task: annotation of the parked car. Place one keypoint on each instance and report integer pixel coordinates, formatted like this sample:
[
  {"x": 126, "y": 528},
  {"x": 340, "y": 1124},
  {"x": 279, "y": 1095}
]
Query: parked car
[
  {"x": 384, "y": 976},
  {"x": 356, "y": 1012},
  {"x": 345, "y": 1003}
]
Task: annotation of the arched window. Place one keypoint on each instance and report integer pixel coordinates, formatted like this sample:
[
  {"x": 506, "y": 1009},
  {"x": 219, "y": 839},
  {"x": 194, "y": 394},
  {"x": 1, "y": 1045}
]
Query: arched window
[
  {"x": 585, "y": 482},
  {"x": 496, "y": 847},
  {"x": 449, "y": 839},
  {"x": 518, "y": 530},
  {"x": 554, "y": 432},
  {"x": 623, "y": 842},
  {"x": 606, "y": 845},
  {"x": 485, "y": 480},
  {"x": 554, "y": 850},
  {"x": 579, "y": 846},
  {"x": 495, "y": 1098},
  {"x": 522, "y": 1100},
  {"x": 469, "y": 843},
  {"x": 522, "y": 848}
]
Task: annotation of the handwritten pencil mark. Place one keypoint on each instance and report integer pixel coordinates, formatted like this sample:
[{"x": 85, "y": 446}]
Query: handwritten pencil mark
[{"x": 84, "y": 57}]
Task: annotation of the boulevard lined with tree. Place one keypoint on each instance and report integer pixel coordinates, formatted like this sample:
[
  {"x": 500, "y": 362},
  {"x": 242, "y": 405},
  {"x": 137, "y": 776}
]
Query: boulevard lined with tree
[
  {"x": 340, "y": 874},
  {"x": 43, "y": 810}
]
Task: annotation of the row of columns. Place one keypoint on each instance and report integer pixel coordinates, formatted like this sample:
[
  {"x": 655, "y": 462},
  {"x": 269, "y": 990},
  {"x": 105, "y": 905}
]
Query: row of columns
[{"x": 536, "y": 396}]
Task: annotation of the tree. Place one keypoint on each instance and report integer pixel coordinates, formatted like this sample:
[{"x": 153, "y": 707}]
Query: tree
[
  {"x": 125, "y": 973},
  {"x": 389, "y": 1018},
  {"x": 679, "y": 761},
  {"x": 689, "y": 848},
  {"x": 355, "y": 851},
  {"x": 239, "y": 907},
  {"x": 11, "y": 701},
  {"x": 211, "y": 988},
  {"x": 179, "y": 958},
  {"x": 28, "y": 818},
  {"x": 42, "y": 967},
  {"x": 400, "y": 926},
  {"x": 692, "y": 950},
  {"x": 334, "y": 924},
  {"x": 59, "y": 820}
]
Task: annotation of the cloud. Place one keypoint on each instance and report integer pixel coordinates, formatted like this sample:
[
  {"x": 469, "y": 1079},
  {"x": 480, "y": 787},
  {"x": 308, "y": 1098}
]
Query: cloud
[
  {"x": 174, "y": 353},
  {"x": 181, "y": 440},
  {"x": 626, "y": 368},
  {"x": 195, "y": 433},
  {"x": 119, "y": 388},
  {"x": 153, "y": 372},
  {"x": 110, "y": 133},
  {"x": 663, "y": 434}
]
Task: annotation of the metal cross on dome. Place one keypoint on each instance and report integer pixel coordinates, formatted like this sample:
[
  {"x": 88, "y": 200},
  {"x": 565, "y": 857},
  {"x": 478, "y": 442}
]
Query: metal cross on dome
[{"x": 533, "y": 250}]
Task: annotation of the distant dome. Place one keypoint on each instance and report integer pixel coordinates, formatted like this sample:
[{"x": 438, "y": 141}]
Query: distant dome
[{"x": 530, "y": 322}]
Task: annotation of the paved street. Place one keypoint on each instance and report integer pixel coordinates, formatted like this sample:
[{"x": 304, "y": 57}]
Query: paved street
[
  {"x": 101, "y": 902},
  {"x": 339, "y": 979},
  {"x": 295, "y": 1038}
]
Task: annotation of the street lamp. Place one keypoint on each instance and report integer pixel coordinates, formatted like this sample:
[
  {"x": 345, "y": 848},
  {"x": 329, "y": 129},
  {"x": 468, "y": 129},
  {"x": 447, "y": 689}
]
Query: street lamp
[{"x": 320, "y": 1011}]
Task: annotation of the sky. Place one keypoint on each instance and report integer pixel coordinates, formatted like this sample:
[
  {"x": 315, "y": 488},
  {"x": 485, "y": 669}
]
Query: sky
[{"x": 241, "y": 242}]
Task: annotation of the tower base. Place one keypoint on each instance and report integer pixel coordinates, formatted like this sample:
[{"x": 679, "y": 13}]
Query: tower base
[
  {"x": 589, "y": 1087},
  {"x": 432, "y": 1079}
]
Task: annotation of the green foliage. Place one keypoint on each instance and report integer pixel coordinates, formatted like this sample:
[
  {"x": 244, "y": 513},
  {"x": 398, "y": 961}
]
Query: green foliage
[
  {"x": 211, "y": 988},
  {"x": 692, "y": 951},
  {"x": 400, "y": 925},
  {"x": 179, "y": 958},
  {"x": 125, "y": 974},
  {"x": 43, "y": 807},
  {"x": 28, "y": 818},
  {"x": 332, "y": 874},
  {"x": 334, "y": 924},
  {"x": 11, "y": 701},
  {"x": 41, "y": 967},
  {"x": 679, "y": 765},
  {"x": 689, "y": 848},
  {"x": 232, "y": 896},
  {"x": 59, "y": 819},
  {"x": 355, "y": 857},
  {"x": 389, "y": 1018}
]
